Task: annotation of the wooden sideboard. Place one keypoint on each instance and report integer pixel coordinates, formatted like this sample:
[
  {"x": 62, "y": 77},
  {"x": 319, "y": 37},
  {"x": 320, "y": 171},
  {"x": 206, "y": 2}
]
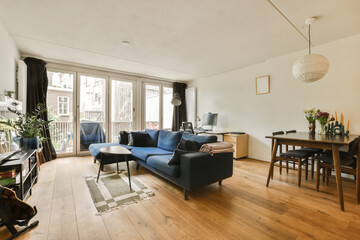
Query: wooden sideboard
[{"x": 240, "y": 142}]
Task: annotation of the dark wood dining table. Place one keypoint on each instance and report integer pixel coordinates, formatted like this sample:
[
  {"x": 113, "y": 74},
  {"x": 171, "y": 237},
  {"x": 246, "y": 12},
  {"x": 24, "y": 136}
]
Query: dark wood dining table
[{"x": 321, "y": 141}]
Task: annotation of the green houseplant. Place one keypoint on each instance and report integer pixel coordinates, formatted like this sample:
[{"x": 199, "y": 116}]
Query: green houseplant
[{"x": 29, "y": 126}]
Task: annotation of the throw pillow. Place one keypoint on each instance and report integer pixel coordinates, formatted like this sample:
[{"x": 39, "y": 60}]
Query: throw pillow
[
  {"x": 175, "y": 159},
  {"x": 189, "y": 145},
  {"x": 185, "y": 146},
  {"x": 124, "y": 137},
  {"x": 141, "y": 139}
]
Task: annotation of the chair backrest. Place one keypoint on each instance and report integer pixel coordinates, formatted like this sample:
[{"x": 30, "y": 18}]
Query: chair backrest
[
  {"x": 291, "y": 131},
  {"x": 354, "y": 146},
  {"x": 188, "y": 127},
  {"x": 278, "y": 133}
]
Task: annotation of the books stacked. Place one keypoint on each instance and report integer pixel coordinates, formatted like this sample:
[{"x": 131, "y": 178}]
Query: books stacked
[{"x": 9, "y": 177}]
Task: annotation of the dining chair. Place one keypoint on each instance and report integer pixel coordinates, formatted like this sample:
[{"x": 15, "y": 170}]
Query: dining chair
[
  {"x": 349, "y": 163},
  {"x": 313, "y": 151},
  {"x": 295, "y": 155}
]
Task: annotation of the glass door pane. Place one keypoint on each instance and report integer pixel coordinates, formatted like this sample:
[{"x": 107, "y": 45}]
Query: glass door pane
[
  {"x": 168, "y": 108},
  {"x": 60, "y": 102},
  {"x": 92, "y": 110},
  {"x": 122, "y": 97},
  {"x": 152, "y": 106}
]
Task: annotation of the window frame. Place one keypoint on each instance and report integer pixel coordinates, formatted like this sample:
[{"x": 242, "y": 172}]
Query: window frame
[{"x": 68, "y": 105}]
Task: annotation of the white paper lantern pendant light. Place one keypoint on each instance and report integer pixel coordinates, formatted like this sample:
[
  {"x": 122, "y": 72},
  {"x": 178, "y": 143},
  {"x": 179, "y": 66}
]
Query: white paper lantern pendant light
[{"x": 311, "y": 67}]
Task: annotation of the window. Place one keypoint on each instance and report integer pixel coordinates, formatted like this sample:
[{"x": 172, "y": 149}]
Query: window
[
  {"x": 63, "y": 106},
  {"x": 158, "y": 108}
]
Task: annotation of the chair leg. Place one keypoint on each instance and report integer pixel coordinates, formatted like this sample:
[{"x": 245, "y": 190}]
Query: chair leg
[
  {"x": 287, "y": 166},
  {"x": 306, "y": 169},
  {"x": 323, "y": 175},
  {"x": 280, "y": 169},
  {"x": 312, "y": 167},
  {"x": 294, "y": 164},
  {"x": 317, "y": 175},
  {"x": 299, "y": 172},
  {"x": 327, "y": 176}
]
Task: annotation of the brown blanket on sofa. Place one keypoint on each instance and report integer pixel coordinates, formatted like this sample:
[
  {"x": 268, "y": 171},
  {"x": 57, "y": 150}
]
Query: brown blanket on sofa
[{"x": 218, "y": 147}]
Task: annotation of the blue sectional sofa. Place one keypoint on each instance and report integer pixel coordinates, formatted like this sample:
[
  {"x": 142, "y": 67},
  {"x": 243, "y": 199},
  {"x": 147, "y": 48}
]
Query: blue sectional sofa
[{"x": 195, "y": 169}]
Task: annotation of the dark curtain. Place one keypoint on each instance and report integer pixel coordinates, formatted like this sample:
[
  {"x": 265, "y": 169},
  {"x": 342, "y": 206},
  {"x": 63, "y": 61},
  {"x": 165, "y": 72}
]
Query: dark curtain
[
  {"x": 179, "y": 114},
  {"x": 37, "y": 84}
]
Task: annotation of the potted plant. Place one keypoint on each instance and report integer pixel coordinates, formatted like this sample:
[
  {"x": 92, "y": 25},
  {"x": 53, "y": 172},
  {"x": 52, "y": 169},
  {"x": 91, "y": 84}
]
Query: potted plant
[
  {"x": 310, "y": 115},
  {"x": 29, "y": 126},
  {"x": 322, "y": 118}
]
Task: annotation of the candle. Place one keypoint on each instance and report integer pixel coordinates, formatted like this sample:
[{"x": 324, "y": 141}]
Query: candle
[
  {"x": 335, "y": 116},
  {"x": 348, "y": 125},
  {"x": 342, "y": 119}
]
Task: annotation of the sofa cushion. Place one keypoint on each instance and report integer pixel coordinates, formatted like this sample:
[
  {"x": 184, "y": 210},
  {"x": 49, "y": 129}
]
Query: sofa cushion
[
  {"x": 168, "y": 140},
  {"x": 95, "y": 148},
  {"x": 175, "y": 158},
  {"x": 189, "y": 145},
  {"x": 160, "y": 162},
  {"x": 154, "y": 134},
  {"x": 143, "y": 153},
  {"x": 199, "y": 138}
]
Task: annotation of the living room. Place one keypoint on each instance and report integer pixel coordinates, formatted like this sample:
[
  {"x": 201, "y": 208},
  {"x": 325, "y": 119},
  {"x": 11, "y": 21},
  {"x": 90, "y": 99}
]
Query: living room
[{"x": 119, "y": 73}]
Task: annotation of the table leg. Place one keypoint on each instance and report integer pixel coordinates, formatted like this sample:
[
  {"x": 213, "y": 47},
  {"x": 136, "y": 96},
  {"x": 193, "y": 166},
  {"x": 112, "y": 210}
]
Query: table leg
[
  {"x": 273, "y": 156},
  {"x": 128, "y": 169},
  {"x": 100, "y": 166},
  {"x": 117, "y": 164},
  {"x": 336, "y": 157}
]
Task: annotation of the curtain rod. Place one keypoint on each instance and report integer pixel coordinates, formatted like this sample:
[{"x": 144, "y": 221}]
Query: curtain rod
[{"x": 55, "y": 61}]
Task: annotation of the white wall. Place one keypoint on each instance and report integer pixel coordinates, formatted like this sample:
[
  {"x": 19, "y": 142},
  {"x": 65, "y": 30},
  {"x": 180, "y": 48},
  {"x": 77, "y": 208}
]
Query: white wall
[
  {"x": 232, "y": 95},
  {"x": 9, "y": 55}
]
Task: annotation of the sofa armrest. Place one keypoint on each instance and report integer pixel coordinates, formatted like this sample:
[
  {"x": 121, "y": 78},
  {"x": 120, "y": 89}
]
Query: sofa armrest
[{"x": 198, "y": 169}]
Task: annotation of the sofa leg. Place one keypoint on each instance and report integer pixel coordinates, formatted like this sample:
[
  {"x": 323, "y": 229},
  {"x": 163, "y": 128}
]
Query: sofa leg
[
  {"x": 220, "y": 182},
  {"x": 137, "y": 166},
  {"x": 186, "y": 197},
  {"x": 94, "y": 160}
]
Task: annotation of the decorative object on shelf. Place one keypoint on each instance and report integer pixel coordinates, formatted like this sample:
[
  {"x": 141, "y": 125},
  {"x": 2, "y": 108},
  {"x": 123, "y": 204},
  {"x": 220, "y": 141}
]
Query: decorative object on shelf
[
  {"x": 176, "y": 100},
  {"x": 334, "y": 127},
  {"x": 311, "y": 67},
  {"x": 310, "y": 115},
  {"x": 322, "y": 118},
  {"x": 263, "y": 85},
  {"x": 28, "y": 126}
]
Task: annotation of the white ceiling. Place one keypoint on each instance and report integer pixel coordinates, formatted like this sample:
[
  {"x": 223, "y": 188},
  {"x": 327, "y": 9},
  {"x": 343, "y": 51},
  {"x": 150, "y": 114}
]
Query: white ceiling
[{"x": 172, "y": 39}]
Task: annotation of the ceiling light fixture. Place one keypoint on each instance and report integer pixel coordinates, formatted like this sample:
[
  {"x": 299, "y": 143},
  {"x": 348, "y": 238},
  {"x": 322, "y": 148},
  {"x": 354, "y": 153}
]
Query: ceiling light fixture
[
  {"x": 176, "y": 100},
  {"x": 311, "y": 67},
  {"x": 125, "y": 43}
]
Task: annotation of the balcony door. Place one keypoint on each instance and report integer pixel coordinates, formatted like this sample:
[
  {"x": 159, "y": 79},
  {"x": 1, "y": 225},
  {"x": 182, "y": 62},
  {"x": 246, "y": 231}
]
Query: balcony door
[{"x": 92, "y": 111}]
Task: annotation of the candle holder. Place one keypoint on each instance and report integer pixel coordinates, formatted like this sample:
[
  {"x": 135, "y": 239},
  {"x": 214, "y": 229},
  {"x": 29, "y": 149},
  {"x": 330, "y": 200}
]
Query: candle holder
[{"x": 336, "y": 129}]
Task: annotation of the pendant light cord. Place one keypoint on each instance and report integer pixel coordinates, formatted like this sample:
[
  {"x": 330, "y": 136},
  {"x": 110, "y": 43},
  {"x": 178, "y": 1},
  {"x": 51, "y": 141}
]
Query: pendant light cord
[{"x": 309, "y": 40}]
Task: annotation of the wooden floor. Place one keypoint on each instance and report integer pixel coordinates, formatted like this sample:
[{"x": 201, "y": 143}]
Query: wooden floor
[{"x": 242, "y": 208}]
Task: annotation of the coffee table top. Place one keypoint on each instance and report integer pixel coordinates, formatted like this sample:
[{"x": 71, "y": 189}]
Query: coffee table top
[{"x": 115, "y": 150}]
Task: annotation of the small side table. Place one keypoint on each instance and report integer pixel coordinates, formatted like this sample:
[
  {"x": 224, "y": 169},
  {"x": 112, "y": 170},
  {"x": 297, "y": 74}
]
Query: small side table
[{"x": 117, "y": 151}]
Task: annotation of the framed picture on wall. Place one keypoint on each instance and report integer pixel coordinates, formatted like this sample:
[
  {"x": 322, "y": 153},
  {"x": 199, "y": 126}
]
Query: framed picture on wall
[{"x": 263, "y": 85}]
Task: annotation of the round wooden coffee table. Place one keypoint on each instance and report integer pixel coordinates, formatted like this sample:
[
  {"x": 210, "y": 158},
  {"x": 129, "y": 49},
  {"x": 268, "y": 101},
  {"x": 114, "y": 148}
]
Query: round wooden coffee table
[{"x": 117, "y": 151}]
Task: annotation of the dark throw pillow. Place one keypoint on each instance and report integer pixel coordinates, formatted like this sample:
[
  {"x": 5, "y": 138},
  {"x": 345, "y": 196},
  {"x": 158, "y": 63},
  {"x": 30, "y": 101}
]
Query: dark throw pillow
[
  {"x": 124, "y": 137},
  {"x": 142, "y": 139},
  {"x": 175, "y": 159},
  {"x": 185, "y": 146},
  {"x": 189, "y": 145}
]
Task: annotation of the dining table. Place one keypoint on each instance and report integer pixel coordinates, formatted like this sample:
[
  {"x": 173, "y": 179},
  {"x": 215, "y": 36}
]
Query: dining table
[{"x": 320, "y": 141}]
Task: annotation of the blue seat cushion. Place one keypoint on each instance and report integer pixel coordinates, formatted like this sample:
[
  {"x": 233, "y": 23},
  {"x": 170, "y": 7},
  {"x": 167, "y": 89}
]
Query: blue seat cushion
[
  {"x": 160, "y": 162},
  {"x": 154, "y": 134},
  {"x": 168, "y": 140},
  {"x": 199, "y": 138},
  {"x": 143, "y": 153},
  {"x": 95, "y": 148}
]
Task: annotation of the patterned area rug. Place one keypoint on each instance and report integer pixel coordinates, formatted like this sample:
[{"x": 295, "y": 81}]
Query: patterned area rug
[{"x": 112, "y": 190}]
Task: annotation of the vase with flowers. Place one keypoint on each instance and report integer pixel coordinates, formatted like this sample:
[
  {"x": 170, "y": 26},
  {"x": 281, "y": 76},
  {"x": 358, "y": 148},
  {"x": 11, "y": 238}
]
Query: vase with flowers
[
  {"x": 322, "y": 118},
  {"x": 310, "y": 115}
]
